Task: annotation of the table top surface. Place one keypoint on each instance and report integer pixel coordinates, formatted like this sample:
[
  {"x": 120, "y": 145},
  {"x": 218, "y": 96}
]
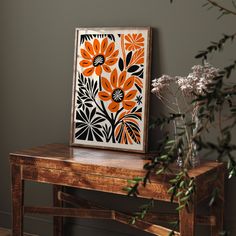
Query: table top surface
[{"x": 95, "y": 158}]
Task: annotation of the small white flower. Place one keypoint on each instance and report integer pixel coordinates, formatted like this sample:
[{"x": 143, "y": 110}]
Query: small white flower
[
  {"x": 160, "y": 85},
  {"x": 194, "y": 84}
]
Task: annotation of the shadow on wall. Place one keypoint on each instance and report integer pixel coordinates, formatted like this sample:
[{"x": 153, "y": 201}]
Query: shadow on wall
[{"x": 156, "y": 107}]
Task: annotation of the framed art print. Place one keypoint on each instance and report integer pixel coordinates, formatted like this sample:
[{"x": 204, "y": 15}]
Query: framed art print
[{"x": 111, "y": 88}]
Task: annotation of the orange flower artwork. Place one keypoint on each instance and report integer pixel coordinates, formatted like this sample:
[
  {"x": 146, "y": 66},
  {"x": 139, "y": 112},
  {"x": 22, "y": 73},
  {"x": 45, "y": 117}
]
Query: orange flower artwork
[
  {"x": 111, "y": 88},
  {"x": 134, "y": 41},
  {"x": 98, "y": 57},
  {"x": 118, "y": 91}
]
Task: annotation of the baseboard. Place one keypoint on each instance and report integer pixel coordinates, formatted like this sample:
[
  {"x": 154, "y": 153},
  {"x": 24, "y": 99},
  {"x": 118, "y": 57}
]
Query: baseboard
[{"x": 7, "y": 232}]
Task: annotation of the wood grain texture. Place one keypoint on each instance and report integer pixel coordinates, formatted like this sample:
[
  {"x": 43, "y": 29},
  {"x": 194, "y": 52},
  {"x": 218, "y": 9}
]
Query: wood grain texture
[
  {"x": 57, "y": 220},
  {"x": 108, "y": 171},
  {"x": 101, "y": 183},
  {"x": 149, "y": 217},
  {"x": 217, "y": 209},
  {"x": 187, "y": 219},
  {"x": 17, "y": 200},
  {"x": 96, "y": 161},
  {"x": 102, "y": 215}
]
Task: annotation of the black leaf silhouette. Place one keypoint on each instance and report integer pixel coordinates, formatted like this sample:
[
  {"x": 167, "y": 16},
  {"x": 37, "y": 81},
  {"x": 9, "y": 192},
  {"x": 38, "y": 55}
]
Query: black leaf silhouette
[
  {"x": 133, "y": 68},
  {"x": 121, "y": 64},
  {"x": 128, "y": 58}
]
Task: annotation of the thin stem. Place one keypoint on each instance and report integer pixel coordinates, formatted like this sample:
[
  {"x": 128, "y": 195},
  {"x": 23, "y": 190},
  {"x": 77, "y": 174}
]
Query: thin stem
[
  {"x": 123, "y": 49},
  {"x": 102, "y": 103},
  {"x": 185, "y": 128},
  {"x": 163, "y": 100},
  {"x": 234, "y": 4},
  {"x": 99, "y": 107},
  {"x": 169, "y": 107},
  {"x": 117, "y": 113},
  {"x": 222, "y": 8},
  {"x": 219, "y": 120}
]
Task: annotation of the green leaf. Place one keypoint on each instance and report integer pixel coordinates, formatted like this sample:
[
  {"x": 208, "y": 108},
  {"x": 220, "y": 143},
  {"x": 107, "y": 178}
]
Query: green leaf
[
  {"x": 127, "y": 189},
  {"x": 173, "y": 181},
  {"x": 179, "y": 193},
  {"x": 170, "y": 141},
  {"x": 163, "y": 157},
  {"x": 170, "y": 190},
  {"x": 180, "y": 207},
  {"x": 181, "y": 184},
  {"x": 159, "y": 171},
  {"x": 184, "y": 199},
  {"x": 131, "y": 181},
  {"x": 138, "y": 179}
]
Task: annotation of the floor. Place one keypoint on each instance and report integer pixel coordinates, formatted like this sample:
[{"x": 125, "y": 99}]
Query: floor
[{"x": 7, "y": 232}]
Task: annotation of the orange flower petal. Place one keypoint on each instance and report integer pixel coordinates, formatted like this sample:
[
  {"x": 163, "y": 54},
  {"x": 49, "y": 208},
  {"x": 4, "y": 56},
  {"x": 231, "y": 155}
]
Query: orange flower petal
[
  {"x": 138, "y": 82},
  {"x": 130, "y": 95},
  {"x": 117, "y": 130},
  {"x": 88, "y": 71},
  {"x": 140, "y": 44},
  {"x": 85, "y": 63},
  {"x": 128, "y": 38},
  {"x": 96, "y": 46},
  {"x": 111, "y": 62},
  {"x": 89, "y": 48},
  {"x": 122, "y": 115},
  {"x": 104, "y": 45},
  {"x": 139, "y": 35},
  {"x": 115, "y": 54},
  {"x": 114, "y": 106},
  {"x": 85, "y": 54},
  {"x": 123, "y": 135},
  {"x": 128, "y": 105},
  {"x": 128, "y": 46},
  {"x": 106, "y": 84},
  {"x": 140, "y": 40},
  {"x": 131, "y": 120},
  {"x": 129, "y": 140},
  {"x": 114, "y": 78},
  {"x": 104, "y": 96},
  {"x": 106, "y": 68},
  {"x": 122, "y": 78},
  {"x": 98, "y": 70},
  {"x": 129, "y": 83},
  {"x": 110, "y": 49},
  {"x": 140, "y": 61}
]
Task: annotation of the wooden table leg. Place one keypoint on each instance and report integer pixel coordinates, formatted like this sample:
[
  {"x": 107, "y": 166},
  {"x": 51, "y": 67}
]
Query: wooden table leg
[
  {"x": 17, "y": 200},
  {"x": 187, "y": 218},
  {"x": 57, "y": 220},
  {"x": 217, "y": 208}
]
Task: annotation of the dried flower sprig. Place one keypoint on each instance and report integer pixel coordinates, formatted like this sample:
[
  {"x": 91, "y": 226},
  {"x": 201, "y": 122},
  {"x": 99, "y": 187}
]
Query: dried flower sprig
[
  {"x": 194, "y": 84},
  {"x": 161, "y": 85}
]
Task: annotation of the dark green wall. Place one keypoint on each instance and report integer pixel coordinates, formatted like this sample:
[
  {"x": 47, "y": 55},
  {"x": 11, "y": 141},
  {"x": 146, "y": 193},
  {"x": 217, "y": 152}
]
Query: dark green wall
[{"x": 36, "y": 59}]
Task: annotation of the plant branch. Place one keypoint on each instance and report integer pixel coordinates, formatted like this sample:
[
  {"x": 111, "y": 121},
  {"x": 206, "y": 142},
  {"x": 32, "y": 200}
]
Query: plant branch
[
  {"x": 215, "y": 46},
  {"x": 221, "y": 8}
]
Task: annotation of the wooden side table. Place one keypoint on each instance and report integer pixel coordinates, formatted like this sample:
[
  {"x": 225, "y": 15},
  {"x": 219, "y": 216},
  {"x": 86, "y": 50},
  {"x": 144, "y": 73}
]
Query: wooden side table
[{"x": 107, "y": 171}]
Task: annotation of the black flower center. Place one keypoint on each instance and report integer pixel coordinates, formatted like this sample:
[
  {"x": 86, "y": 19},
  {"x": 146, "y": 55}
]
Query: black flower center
[
  {"x": 118, "y": 95},
  {"x": 98, "y": 60}
]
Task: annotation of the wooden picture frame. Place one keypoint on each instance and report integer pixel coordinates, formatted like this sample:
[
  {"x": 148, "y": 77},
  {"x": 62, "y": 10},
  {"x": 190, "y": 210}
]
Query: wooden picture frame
[{"x": 111, "y": 88}]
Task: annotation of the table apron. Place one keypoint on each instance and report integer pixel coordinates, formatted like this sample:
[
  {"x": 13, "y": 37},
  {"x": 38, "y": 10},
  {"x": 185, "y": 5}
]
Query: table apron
[{"x": 157, "y": 191}]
